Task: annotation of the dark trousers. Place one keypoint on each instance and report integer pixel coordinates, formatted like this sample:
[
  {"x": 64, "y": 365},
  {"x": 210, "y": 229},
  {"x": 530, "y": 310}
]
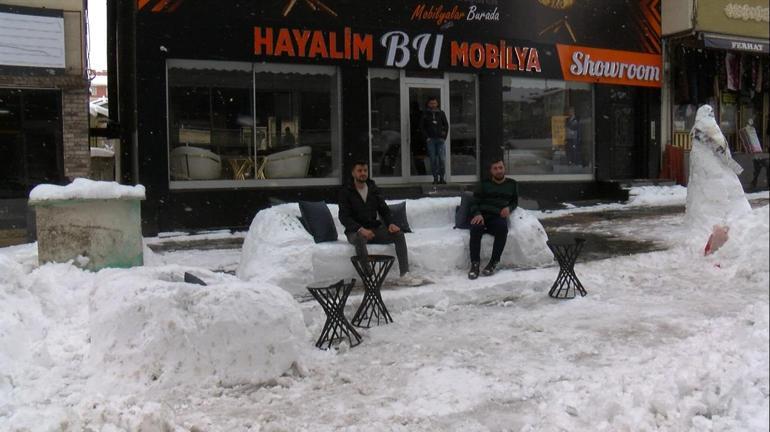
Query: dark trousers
[
  {"x": 436, "y": 148},
  {"x": 574, "y": 155},
  {"x": 758, "y": 164},
  {"x": 495, "y": 225},
  {"x": 382, "y": 236}
]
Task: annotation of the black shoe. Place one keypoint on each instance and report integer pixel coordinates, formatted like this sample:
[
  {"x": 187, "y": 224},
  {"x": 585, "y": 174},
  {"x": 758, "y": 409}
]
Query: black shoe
[
  {"x": 435, "y": 180},
  {"x": 489, "y": 270},
  {"x": 474, "y": 272},
  {"x": 441, "y": 180}
]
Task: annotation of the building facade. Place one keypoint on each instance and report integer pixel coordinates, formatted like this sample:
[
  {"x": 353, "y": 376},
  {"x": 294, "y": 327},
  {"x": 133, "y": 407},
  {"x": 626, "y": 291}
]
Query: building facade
[
  {"x": 43, "y": 103},
  {"x": 717, "y": 52},
  {"x": 225, "y": 108}
]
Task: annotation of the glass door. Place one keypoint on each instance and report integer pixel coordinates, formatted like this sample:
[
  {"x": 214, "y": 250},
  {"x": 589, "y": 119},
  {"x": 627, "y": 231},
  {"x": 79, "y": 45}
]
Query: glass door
[
  {"x": 417, "y": 157},
  {"x": 398, "y": 143}
]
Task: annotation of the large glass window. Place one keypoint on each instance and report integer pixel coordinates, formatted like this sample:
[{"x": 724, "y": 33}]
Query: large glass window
[
  {"x": 462, "y": 124},
  {"x": 547, "y": 127},
  {"x": 385, "y": 122},
  {"x": 30, "y": 140},
  {"x": 254, "y": 123}
]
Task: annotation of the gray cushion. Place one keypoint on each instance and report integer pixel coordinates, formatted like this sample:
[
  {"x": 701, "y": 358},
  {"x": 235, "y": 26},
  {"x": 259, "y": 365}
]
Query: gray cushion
[
  {"x": 463, "y": 211},
  {"x": 318, "y": 221}
]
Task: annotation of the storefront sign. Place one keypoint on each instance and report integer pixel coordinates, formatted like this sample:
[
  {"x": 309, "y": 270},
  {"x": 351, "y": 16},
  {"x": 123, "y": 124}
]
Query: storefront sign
[
  {"x": 446, "y": 16},
  {"x": 609, "y": 24},
  {"x": 750, "y": 45},
  {"x": 492, "y": 56},
  {"x": 399, "y": 49},
  {"x": 610, "y": 66},
  {"x": 284, "y": 42}
]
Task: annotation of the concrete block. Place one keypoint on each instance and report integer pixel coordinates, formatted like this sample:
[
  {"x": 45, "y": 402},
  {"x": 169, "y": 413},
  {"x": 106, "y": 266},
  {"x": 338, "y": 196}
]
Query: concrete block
[{"x": 106, "y": 231}]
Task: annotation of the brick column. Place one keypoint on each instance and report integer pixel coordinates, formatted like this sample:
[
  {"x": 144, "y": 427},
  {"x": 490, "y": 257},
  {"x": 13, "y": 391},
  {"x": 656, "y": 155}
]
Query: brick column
[{"x": 75, "y": 146}]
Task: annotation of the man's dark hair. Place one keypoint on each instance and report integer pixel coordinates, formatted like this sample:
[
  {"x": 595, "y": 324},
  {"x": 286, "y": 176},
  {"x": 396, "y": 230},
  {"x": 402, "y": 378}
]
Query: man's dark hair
[
  {"x": 494, "y": 161},
  {"x": 432, "y": 98},
  {"x": 358, "y": 162}
]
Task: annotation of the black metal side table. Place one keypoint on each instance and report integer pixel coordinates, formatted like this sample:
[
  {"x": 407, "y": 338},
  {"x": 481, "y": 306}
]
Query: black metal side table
[
  {"x": 332, "y": 299},
  {"x": 567, "y": 282},
  {"x": 373, "y": 272}
]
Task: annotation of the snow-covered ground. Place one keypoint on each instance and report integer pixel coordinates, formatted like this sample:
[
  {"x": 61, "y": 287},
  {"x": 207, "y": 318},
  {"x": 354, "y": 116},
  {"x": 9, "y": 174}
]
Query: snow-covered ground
[{"x": 668, "y": 340}]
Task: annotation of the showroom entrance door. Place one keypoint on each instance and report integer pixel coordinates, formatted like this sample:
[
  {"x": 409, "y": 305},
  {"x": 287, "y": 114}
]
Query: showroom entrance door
[
  {"x": 398, "y": 146},
  {"x": 416, "y": 155}
]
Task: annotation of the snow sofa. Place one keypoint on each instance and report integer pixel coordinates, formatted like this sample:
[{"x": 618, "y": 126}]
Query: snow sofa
[{"x": 279, "y": 250}]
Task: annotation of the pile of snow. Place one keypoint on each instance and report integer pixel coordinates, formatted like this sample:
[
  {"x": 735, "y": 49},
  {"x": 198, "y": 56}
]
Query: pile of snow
[
  {"x": 668, "y": 340},
  {"x": 643, "y": 196},
  {"x": 84, "y": 351},
  {"x": 744, "y": 252},
  {"x": 82, "y": 188},
  {"x": 155, "y": 331},
  {"x": 714, "y": 192}
]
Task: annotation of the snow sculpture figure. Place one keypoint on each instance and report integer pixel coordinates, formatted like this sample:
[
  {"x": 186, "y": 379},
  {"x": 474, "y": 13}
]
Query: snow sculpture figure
[{"x": 714, "y": 192}]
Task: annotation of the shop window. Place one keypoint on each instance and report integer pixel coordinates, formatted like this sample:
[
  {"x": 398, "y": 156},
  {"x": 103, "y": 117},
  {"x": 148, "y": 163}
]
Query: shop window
[
  {"x": 253, "y": 124},
  {"x": 385, "y": 122},
  {"x": 547, "y": 127},
  {"x": 733, "y": 83},
  {"x": 462, "y": 124},
  {"x": 30, "y": 140}
]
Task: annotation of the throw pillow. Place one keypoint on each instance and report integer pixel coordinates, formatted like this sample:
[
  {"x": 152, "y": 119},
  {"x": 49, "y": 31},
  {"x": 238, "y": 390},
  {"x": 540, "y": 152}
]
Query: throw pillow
[
  {"x": 398, "y": 216},
  {"x": 318, "y": 221},
  {"x": 463, "y": 211}
]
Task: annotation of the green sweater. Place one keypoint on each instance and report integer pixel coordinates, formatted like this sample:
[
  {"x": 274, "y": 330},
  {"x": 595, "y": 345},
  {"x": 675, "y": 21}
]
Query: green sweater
[{"x": 490, "y": 197}]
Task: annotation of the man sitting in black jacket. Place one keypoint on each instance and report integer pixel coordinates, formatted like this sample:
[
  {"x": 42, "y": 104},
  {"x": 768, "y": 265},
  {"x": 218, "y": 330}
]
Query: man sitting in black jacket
[
  {"x": 493, "y": 201},
  {"x": 360, "y": 202}
]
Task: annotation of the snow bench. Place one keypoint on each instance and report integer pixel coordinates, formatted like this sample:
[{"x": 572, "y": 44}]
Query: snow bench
[{"x": 279, "y": 250}]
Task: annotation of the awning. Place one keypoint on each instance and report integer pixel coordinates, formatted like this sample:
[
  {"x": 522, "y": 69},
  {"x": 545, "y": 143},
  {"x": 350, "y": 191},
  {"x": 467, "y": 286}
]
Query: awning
[{"x": 736, "y": 43}]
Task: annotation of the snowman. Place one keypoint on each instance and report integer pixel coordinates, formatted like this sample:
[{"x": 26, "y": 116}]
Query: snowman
[{"x": 715, "y": 196}]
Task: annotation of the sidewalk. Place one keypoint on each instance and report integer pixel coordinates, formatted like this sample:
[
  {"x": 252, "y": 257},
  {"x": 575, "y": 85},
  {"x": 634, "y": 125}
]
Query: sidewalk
[{"x": 220, "y": 250}]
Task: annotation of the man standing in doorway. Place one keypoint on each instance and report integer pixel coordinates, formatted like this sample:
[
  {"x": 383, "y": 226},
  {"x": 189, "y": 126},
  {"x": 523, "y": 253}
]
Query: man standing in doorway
[
  {"x": 493, "y": 201},
  {"x": 360, "y": 202},
  {"x": 435, "y": 128}
]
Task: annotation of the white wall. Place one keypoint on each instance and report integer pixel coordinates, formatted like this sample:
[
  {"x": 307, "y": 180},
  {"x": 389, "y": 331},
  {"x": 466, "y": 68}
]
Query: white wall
[{"x": 677, "y": 16}]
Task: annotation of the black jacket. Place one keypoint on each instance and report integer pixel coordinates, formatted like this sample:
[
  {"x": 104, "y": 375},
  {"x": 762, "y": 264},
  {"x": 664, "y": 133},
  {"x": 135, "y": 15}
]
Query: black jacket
[
  {"x": 355, "y": 213},
  {"x": 434, "y": 124}
]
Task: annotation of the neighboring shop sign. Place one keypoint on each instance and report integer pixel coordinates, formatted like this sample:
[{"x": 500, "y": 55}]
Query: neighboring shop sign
[
  {"x": 747, "y": 18},
  {"x": 32, "y": 38},
  {"x": 747, "y": 13},
  {"x": 737, "y": 44},
  {"x": 610, "y": 66}
]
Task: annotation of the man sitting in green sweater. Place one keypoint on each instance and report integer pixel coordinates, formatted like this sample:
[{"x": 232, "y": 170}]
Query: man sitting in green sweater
[{"x": 493, "y": 201}]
